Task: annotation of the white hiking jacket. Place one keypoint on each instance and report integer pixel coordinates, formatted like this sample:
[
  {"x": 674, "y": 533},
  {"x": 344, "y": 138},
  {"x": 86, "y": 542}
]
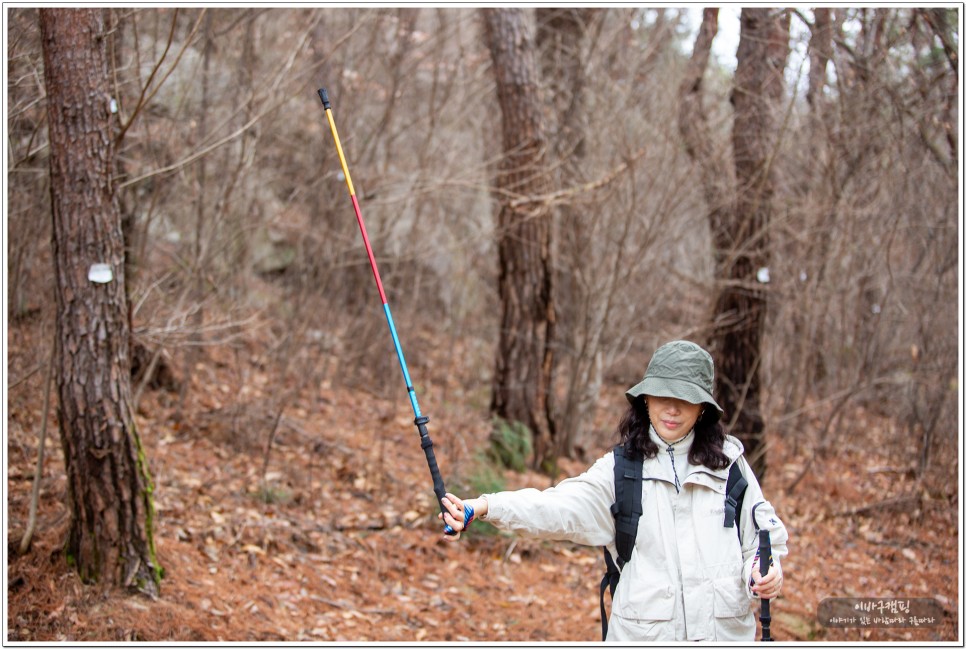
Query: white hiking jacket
[{"x": 688, "y": 578}]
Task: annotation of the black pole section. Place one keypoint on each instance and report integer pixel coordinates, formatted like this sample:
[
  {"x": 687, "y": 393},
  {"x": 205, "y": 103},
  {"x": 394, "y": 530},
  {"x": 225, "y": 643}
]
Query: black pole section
[
  {"x": 764, "y": 557},
  {"x": 427, "y": 445}
]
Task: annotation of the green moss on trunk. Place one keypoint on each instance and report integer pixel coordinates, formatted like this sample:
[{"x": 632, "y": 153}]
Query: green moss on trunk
[{"x": 158, "y": 571}]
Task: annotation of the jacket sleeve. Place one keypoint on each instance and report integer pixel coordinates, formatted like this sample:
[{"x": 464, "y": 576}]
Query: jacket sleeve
[
  {"x": 577, "y": 509},
  {"x": 757, "y": 513}
]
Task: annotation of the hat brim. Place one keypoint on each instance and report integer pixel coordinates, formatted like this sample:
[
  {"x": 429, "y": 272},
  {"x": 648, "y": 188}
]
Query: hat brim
[{"x": 675, "y": 388}]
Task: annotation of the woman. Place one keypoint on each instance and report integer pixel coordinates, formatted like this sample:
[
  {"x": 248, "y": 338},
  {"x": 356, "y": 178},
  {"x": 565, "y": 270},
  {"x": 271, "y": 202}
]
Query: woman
[{"x": 689, "y": 577}]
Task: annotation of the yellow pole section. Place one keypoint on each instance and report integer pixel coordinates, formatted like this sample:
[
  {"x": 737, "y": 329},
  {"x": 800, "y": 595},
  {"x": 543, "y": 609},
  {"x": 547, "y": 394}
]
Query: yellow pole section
[{"x": 338, "y": 147}]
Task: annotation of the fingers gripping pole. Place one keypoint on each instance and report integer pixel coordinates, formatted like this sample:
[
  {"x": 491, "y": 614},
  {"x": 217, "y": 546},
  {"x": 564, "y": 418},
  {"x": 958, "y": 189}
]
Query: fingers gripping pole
[{"x": 420, "y": 420}]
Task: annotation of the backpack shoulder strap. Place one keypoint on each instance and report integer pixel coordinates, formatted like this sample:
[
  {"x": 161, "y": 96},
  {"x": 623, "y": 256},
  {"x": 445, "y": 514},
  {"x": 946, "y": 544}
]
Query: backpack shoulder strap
[
  {"x": 734, "y": 496},
  {"x": 627, "y": 510},
  {"x": 627, "y": 507}
]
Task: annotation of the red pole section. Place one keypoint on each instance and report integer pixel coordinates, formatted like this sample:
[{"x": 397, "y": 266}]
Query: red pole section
[{"x": 365, "y": 239}]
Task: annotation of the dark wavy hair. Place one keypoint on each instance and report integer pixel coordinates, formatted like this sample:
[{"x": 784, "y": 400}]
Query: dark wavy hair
[{"x": 707, "y": 447}]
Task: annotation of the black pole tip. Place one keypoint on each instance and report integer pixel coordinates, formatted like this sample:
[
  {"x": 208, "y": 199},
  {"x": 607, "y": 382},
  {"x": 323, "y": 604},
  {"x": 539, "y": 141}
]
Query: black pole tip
[{"x": 324, "y": 96}]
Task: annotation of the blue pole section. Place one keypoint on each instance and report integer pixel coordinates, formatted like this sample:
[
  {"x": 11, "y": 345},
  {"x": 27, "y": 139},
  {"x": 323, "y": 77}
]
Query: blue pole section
[
  {"x": 402, "y": 361},
  {"x": 421, "y": 420}
]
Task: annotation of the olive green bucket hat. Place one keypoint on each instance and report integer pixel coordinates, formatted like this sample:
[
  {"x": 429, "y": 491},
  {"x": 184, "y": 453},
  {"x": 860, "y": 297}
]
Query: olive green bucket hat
[{"x": 683, "y": 370}]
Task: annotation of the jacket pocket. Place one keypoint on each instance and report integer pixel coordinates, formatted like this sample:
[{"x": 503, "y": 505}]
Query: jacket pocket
[
  {"x": 733, "y": 619},
  {"x": 644, "y": 602},
  {"x": 730, "y": 599}
]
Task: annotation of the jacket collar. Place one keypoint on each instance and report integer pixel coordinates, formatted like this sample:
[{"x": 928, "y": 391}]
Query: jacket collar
[
  {"x": 680, "y": 447},
  {"x": 656, "y": 469}
]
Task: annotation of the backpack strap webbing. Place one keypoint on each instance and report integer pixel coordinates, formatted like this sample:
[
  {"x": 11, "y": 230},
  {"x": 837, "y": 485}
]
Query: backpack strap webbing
[
  {"x": 734, "y": 495},
  {"x": 754, "y": 516},
  {"x": 609, "y": 582}
]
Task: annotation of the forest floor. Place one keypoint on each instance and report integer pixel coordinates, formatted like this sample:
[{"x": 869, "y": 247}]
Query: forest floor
[{"x": 336, "y": 539}]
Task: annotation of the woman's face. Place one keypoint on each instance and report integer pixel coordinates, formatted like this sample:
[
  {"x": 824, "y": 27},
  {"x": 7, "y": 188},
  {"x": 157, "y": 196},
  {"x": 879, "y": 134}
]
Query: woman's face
[{"x": 672, "y": 418}]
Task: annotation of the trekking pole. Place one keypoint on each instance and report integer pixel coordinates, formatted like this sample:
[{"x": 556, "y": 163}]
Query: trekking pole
[
  {"x": 764, "y": 555},
  {"x": 421, "y": 419}
]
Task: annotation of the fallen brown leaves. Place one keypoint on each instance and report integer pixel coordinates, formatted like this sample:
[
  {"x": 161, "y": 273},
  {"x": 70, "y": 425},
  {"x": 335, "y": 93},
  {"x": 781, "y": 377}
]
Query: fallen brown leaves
[{"x": 338, "y": 541}]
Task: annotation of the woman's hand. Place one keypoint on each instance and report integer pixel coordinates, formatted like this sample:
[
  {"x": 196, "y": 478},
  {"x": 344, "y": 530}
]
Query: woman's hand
[
  {"x": 455, "y": 513},
  {"x": 769, "y": 586}
]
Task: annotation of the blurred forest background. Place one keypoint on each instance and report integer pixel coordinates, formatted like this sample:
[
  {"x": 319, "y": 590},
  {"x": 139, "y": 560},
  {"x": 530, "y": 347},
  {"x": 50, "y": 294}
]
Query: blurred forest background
[{"x": 576, "y": 179}]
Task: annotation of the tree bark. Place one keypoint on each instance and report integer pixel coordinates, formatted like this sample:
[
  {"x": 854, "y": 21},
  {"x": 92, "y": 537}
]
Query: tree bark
[
  {"x": 524, "y": 359},
  {"x": 560, "y": 37},
  {"x": 742, "y": 248},
  {"x": 109, "y": 488},
  {"x": 807, "y": 340}
]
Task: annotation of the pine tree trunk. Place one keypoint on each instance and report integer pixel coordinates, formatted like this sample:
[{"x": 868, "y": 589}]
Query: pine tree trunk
[
  {"x": 524, "y": 359},
  {"x": 742, "y": 246},
  {"x": 739, "y": 202},
  {"x": 110, "y": 540}
]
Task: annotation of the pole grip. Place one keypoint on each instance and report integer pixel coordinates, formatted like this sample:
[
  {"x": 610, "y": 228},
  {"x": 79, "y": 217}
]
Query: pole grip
[
  {"x": 324, "y": 96},
  {"x": 427, "y": 445},
  {"x": 764, "y": 557}
]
